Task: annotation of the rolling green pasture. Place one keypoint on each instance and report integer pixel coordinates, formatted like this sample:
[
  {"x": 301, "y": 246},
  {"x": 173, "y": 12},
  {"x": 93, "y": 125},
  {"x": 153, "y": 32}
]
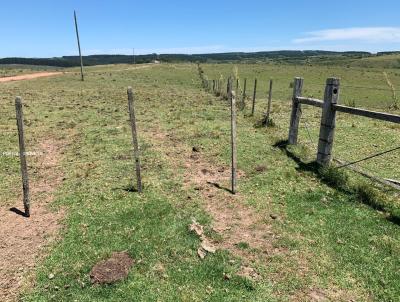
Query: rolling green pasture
[{"x": 335, "y": 241}]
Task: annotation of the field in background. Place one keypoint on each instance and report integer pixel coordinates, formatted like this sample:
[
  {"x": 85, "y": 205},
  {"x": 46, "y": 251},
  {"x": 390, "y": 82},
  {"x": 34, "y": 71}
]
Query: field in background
[{"x": 326, "y": 242}]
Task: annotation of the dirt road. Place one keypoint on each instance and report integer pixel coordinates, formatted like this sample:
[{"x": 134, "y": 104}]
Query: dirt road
[{"x": 29, "y": 76}]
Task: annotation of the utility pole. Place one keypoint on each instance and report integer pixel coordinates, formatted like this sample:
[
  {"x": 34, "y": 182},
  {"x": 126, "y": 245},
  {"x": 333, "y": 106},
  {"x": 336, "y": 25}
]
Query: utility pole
[
  {"x": 134, "y": 61},
  {"x": 79, "y": 45}
]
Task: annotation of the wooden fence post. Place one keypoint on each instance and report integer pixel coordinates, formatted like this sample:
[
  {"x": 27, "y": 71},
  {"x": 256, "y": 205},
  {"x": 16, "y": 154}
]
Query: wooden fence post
[
  {"x": 22, "y": 155},
  {"x": 254, "y": 97},
  {"x": 328, "y": 121},
  {"x": 232, "y": 98},
  {"x": 267, "y": 115},
  {"x": 296, "y": 111},
  {"x": 243, "y": 102},
  {"x": 132, "y": 117}
]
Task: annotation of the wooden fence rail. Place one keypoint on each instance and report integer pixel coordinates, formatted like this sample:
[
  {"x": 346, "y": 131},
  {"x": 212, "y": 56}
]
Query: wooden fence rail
[{"x": 330, "y": 105}]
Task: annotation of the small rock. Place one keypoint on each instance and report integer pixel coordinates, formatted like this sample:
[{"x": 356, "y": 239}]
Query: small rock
[
  {"x": 207, "y": 246},
  {"x": 273, "y": 216},
  {"x": 196, "y": 149},
  {"x": 261, "y": 168},
  {"x": 196, "y": 227},
  {"x": 202, "y": 253},
  {"x": 51, "y": 276}
]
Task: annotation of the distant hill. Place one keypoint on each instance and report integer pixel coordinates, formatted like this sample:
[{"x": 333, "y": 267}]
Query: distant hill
[{"x": 284, "y": 56}]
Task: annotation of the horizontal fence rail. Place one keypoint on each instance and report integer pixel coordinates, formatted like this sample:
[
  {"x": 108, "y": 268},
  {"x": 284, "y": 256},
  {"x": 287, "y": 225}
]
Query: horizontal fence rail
[
  {"x": 383, "y": 116},
  {"x": 330, "y": 106},
  {"x": 310, "y": 101},
  {"x": 393, "y": 118}
]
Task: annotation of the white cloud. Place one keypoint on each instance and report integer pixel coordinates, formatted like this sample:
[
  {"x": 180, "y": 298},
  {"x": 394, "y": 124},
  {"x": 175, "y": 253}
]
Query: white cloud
[{"x": 364, "y": 34}]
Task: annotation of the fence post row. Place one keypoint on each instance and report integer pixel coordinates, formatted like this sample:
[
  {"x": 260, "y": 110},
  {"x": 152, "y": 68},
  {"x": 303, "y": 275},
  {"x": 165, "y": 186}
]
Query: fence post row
[
  {"x": 22, "y": 155},
  {"x": 296, "y": 111},
  {"x": 328, "y": 121},
  {"x": 254, "y": 97},
  {"x": 134, "y": 138}
]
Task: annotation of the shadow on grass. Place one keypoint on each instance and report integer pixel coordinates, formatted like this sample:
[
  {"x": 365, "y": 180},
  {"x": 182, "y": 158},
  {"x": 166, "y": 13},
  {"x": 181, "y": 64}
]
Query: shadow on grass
[
  {"x": 338, "y": 180},
  {"x": 218, "y": 186},
  {"x": 128, "y": 188}
]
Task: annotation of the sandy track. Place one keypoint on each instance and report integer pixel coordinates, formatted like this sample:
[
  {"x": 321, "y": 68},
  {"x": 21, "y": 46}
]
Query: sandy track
[
  {"x": 22, "y": 239},
  {"x": 29, "y": 76}
]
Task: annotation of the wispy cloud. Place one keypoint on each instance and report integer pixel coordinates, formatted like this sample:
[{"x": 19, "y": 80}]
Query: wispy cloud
[{"x": 364, "y": 34}]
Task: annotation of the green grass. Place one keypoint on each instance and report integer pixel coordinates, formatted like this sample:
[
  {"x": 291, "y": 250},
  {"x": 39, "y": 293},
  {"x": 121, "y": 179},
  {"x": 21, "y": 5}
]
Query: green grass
[{"x": 330, "y": 236}]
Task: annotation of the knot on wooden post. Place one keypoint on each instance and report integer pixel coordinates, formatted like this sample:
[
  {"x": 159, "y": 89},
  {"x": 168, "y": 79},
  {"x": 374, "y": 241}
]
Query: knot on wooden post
[{"x": 328, "y": 121}]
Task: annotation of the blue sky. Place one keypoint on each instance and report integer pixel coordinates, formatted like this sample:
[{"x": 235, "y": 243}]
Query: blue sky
[{"x": 44, "y": 28}]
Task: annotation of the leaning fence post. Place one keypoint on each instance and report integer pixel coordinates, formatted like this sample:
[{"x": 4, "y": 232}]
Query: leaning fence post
[
  {"x": 328, "y": 121},
  {"x": 254, "y": 97},
  {"x": 267, "y": 115},
  {"x": 22, "y": 155},
  {"x": 132, "y": 117},
  {"x": 232, "y": 99},
  {"x": 296, "y": 111}
]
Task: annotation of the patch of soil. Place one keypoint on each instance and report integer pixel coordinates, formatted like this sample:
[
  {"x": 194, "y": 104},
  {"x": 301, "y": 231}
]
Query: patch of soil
[
  {"x": 112, "y": 270},
  {"x": 232, "y": 219},
  {"x": 29, "y": 76},
  {"x": 21, "y": 238}
]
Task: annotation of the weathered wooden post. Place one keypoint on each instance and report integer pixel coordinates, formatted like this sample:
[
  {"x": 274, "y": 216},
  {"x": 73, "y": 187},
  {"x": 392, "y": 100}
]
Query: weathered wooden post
[
  {"x": 296, "y": 111},
  {"x": 328, "y": 121},
  {"x": 213, "y": 86},
  {"x": 267, "y": 114},
  {"x": 132, "y": 117},
  {"x": 79, "y": 44},
  {"x": 254, "y": 97},
  {"x": 243, "y": 102},
  {"x": 22, "y": 155},
  {"x": 232, "y": 98}
]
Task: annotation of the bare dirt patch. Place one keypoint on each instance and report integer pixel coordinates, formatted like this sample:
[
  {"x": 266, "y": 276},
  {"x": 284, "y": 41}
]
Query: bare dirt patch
[
  {"x": 29, "y": 76},
  {"x": 21, "y": 238},
  {"x": 233, "y": 221},
  {"x": 112, "y": 269}
]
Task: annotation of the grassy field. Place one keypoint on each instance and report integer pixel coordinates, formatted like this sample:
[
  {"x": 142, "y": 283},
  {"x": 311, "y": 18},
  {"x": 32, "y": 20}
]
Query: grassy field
[{"x": 326, "y": 239}]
